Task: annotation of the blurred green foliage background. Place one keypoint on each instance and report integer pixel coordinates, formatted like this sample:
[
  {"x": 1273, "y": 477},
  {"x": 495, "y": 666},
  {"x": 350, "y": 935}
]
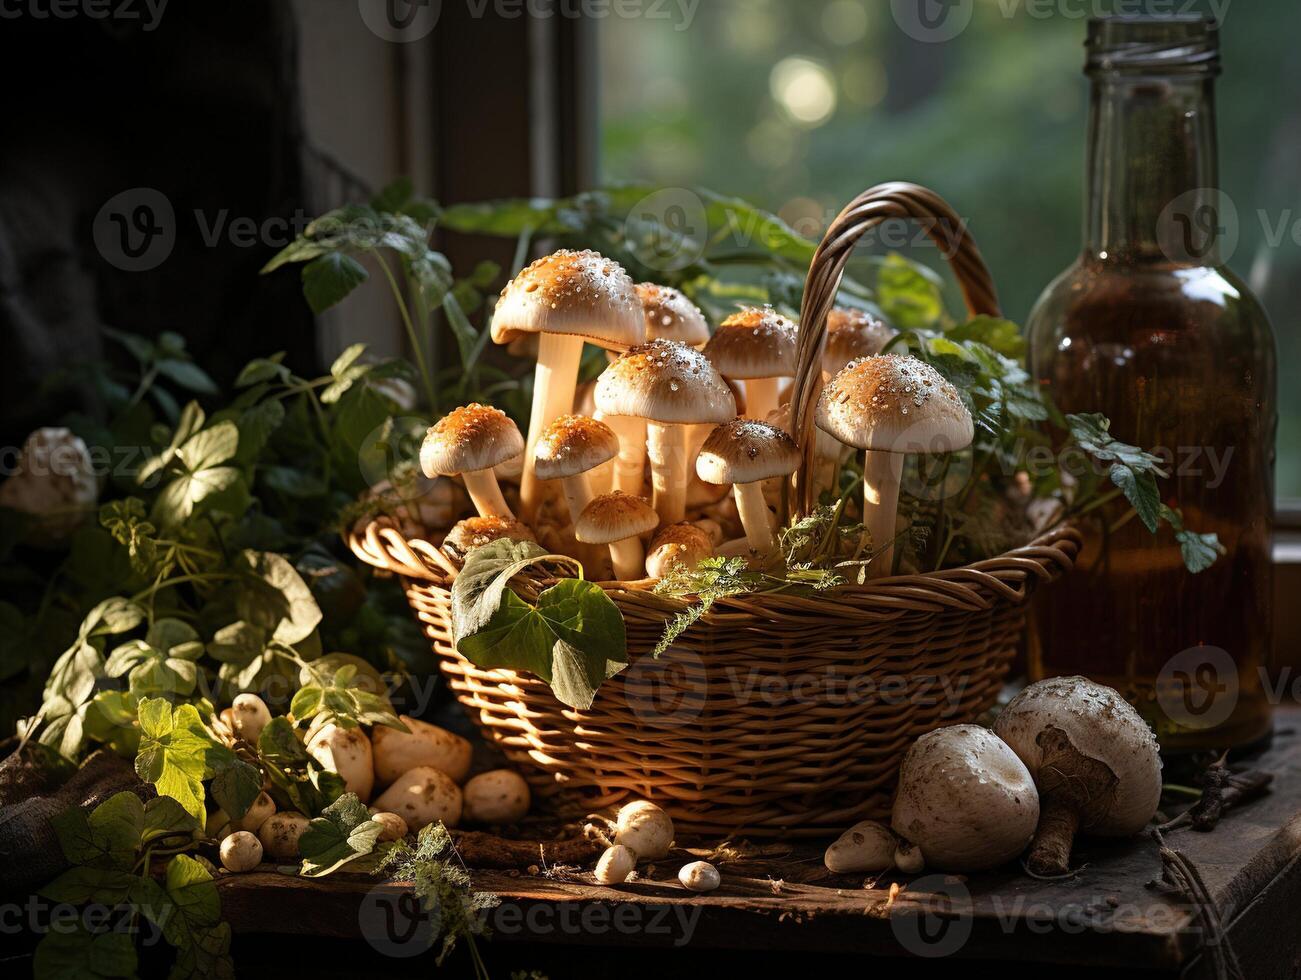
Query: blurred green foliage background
[{"x": 799, "y": 104}]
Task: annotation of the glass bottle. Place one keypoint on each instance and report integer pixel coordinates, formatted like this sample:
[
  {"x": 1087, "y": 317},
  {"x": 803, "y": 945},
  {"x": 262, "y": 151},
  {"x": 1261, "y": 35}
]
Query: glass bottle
[{"x": 1150, "y": 328}]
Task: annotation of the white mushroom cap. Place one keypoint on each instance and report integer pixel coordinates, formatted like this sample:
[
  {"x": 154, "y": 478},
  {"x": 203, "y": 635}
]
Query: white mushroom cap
[
  {"x": 1057, "y": 718},
  {"x": 581, "y": 294},
  {"x": 615, "y": 865},
  {"x": 665, "y": 381},
  {"x": 571, "y": 445},
  {"x": 893, "y": 403},
  {"x": 965, "y": 799},
  {"x": 755, "y": 343},
  {"x": 682, "y": 543},
  {"x": 645, "y": 828},
  {"x": 472, "y": 437},
  {"x": 671, "y": 316},
  {"x": 240, "y": 852},
  {"x": 699, "y": 876},
  {"x": 746, "y": 451},
  {"x": 614, "y": 516},
  {"x": 474, "y": 532},
  {"x": 866, "y": 846},
  {"x": 852, "y": 334}
]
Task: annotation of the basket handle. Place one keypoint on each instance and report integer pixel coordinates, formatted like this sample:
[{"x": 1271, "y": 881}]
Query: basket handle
[{"x": 897, "y": 199}]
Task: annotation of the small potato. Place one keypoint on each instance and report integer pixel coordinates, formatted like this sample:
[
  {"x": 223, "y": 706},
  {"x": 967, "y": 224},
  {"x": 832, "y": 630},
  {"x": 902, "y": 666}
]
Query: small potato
[
  {"x": 645, "y": 828},
  {"x": 425, "y": 745},
  {"x": 249, "y": 715},
  {"x": 262, "y": 808},
  {"x": 394, "y": 827},
  {"x": 241, "y": 851},
  {"x": 615, "y": 865},
  {"x": 346, "y": 751},
  {"x": 279, "y": 835},
  {"x": 699, "y": 876},
  {"x": 496, "y": 797},
  {"x": 423, "y": 796}
]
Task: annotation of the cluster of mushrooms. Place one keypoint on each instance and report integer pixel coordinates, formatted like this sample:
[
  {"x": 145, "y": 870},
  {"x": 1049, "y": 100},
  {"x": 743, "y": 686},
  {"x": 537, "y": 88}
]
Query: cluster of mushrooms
[
  {"x": 679, "y": 416},
  {"x": 1065, "y": 756}
]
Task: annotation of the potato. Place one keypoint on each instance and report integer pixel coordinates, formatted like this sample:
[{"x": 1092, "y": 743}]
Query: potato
[
  {"x": 645, "y": 828},
  {"x": 394, "y": 827},
  {"x": 241, "y": 851},
  {"x": 346, "y": 751},
  {"x": 423, "y": 796},
  {"x": 249, "y": 715},
  {"x": 279, "y": 835},
  {"x": 496, "y": 797},
  {"x": 425, "y": 745}
]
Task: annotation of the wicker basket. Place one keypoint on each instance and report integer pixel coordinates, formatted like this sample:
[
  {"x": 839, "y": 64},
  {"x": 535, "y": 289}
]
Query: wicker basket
[{"x": 775, "y": 714}]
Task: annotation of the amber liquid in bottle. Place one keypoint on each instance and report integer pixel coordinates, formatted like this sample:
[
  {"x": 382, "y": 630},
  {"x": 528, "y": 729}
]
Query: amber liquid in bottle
[{"x": 1149, "y": 328}]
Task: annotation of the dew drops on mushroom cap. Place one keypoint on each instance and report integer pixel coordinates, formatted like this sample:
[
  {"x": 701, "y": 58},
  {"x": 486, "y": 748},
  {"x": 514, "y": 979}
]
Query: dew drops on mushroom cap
[
  {"x": 755, "y": 343},
  {"x": 852, "y": 334},
  {"x": 582, "y": 294},
  {"x": 613, "y": 517},
  {"x": 474, "y": 532},
  {"x": 671, "y": 316},
  {"x": 665, "y": 381},
  {"x": 573, "y": 444},
  {"x": 746, "y": 450},
  {"x": 472, "y": 437},
  {"x": 894, "y": 403}
]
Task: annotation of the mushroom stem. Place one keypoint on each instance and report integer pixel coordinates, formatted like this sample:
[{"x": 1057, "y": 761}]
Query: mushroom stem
[
  {"x": 882, "y": 472},
  {"x": 1050, "y": 852},
  {"x": 761, "y": 397},
  {"x": 485, "y": 492},
  {"x": 628, "y": 559},
  {"x": 554, "y": 381},
  {"x": 666, "y": 446},
  {"x": 756, "y": 518},
  {"x": 630, "y": 464},
  {"x": 578, "y": 494}
]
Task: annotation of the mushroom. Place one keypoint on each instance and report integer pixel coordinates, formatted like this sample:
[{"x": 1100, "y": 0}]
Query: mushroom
[
  {"x": 618, "y": 520},
  {"x": 671, "y": 316},
  {"x": 965, "y": 799},
  {"x": 422, "y": 796},
  {"x": 565, "y": 298},
  {"x": 423, "y": 744},
  {"x": 279, "y": 835},
  {"x": 54, "y": 482},
  {"x": 866, "y": 846},
  {"x": 346, "y": 751},
  {"x": 567, "y": 449},
  {"x": 496, "y": 797},
  {"x": 699, "y": 876},
  {"x": 889, "y": 405},
  {"x": 248, "y": 716},
  {"x": 615, "y": 865},
  {"x": 475, "y": 532},
  {"x": 852, "y": 334},
  {"x": 744, "y": 452},
  {"x": 471, "y": 440},
  {"x": 392, "y": 826},
  {"x": 678, "y": 544},
  {"x": 1095, "y": 761},
  {"x": 240, "y": 852},
  {"x": 672, "y": 386},
  {"x": 645, "y": 828},
  {"x": 756, "y": 345},
  {"x": 908, "y": 858}
]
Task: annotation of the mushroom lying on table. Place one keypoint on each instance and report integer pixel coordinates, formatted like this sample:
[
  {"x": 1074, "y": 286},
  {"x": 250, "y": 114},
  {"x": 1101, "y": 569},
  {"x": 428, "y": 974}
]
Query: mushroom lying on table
[
  {"x": 890, "y": 405},
  {"x": 470, "y": 441},
  {"x": 565, "y": 298},
  {"x": 672, "y": 386},
  {"x": 757, "y": 346},
  {"x": 745, "y": 452}
]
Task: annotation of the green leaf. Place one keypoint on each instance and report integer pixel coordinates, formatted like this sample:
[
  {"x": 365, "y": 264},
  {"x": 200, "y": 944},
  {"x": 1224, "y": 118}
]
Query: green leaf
[
  {"x": 194, "y": 926},
  {"x": 329, "y": 279},
  {"x": 188, "y": 375},
  {"x": 279, "y": 599},
  {"x": 161, "y": 663},
  {"x": 108, "y": 838},
  {"x": 235, "y": 785},
  {"x": 1199, "y": 551},
  {"x": 1001, "y": 335},
  {"x": 177, "y": 753},
  {"x": 342, "y": 833},
  {"x": 263, "y": 369},
  {"x": 908, "y": 297},
  {"x": 75, "y": 954},
  {"x": 80, "y": 885},
  {"x": 1141, "y": 491},
  {"x": 165, "y": 817}
]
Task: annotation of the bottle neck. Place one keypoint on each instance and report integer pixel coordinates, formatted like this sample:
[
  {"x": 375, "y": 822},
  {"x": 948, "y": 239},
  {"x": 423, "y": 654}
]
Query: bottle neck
[{"x": 1152, "y": 171}]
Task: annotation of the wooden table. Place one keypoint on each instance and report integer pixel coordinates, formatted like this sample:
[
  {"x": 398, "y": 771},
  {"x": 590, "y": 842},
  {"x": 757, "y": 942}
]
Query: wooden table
[{"x": 778, "y": 907}]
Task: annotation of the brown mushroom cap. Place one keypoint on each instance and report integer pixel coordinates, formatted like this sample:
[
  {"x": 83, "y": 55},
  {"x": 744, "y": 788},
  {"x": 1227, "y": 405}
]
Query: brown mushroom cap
[
  {"x": 671, "y": 316},
  {"x": 665, "y": 381},
  {"x": 682, "y": 543},
  {"x": 472, "y": 437},
  {"x": 474, "y": 532},
  {"x": 582, "y": 294},
  {"x": 894, "y": 403},
  {"x": 745, "y": 451},
  {"x": 755, "y": 343},
  {"x": 852, "y": 334},
  {"x": 613, "y": 517},
  {"x": 573, "y": 444}
]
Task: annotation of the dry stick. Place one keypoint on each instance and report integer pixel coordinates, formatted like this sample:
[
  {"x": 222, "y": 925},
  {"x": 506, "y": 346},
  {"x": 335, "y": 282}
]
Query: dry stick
[
  {"x": 554, "y": 381},
  {"x": 482, "y": 850},
  {"x": 1179, "y": 871}
]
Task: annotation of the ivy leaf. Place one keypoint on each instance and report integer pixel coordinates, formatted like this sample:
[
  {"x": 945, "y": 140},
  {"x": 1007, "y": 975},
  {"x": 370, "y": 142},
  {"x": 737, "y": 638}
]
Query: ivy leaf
[
  {"x": 165, "y": 817},
  {"x": 1140, "y": 489},
  {"x": 342, "y": 833},
  {"x": 1199, "y": 551},
  {"x": 177, "y": 753},
  {"x": 75, "y": 954},
  {"x": 194, "y": 927},
  {"x": 162, "y": 663},
  {"x": 80, "y": 885},
  {"x": 329, "y": 279},
  {"x": 203, "y": 476},
  {"x": 235, "y": 785},
  {"x": 106, "y": 838},
  {"x": 278, "y": 599}
]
